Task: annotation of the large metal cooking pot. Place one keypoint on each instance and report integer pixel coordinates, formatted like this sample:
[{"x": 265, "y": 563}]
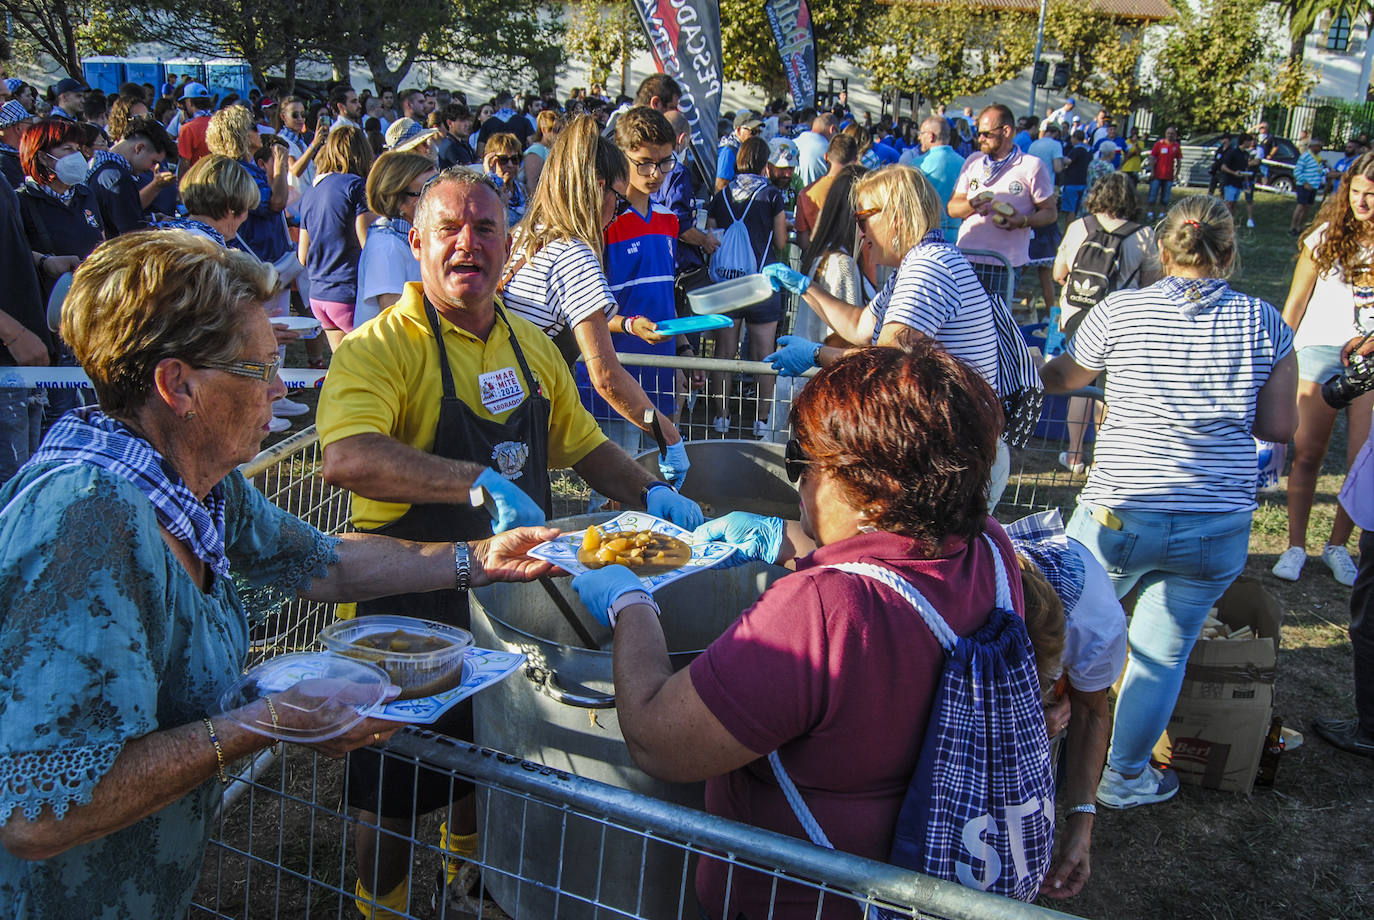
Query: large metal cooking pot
[
  {"x": 560, "y": 712},
  {"x": 735, "y": 475}
]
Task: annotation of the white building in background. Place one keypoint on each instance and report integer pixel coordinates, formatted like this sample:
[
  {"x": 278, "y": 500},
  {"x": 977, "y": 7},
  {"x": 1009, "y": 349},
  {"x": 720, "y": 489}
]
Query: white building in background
[{"x": 1342, "y": 55}]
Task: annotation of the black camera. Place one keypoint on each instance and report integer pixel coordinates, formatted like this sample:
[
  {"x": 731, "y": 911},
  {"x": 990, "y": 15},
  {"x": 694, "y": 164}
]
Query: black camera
[{"x": 1350, "y": 384}]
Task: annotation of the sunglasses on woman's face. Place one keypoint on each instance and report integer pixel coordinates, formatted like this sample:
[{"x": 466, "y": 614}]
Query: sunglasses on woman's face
[
  {"x": 512, "y": 160},
  {"x": 794, "y": 460}
]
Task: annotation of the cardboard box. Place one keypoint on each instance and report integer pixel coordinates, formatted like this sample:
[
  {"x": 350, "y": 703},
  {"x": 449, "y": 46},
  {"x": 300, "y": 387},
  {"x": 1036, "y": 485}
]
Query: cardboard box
[{"x": 1216, "y": 734}]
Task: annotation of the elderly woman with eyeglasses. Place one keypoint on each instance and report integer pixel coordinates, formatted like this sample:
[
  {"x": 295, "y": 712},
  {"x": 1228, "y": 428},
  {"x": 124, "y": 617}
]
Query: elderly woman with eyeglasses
[
  {"x": 805, "y": 671},
  {"x": 121, "y": 621}
]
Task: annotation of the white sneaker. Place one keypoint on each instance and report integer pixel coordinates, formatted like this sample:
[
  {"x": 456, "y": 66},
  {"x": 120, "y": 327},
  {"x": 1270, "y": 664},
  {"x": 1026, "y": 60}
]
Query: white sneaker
[
  {"x": 289, "y": 408},
  {"x": 722, "y": 424},
  {"x": 1250, "y": 222},
  {"x": 278, "y": 425},
  {"x": 1289, "y": 566},
  {"x": 760, "y": 430},
  {"x": 1337, "y": 559},
  {"x": 1151, "y": 786}
]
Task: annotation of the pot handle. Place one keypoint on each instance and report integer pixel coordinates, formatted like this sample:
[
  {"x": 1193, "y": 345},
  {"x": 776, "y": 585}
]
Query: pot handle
[{"x": 549, "y": 684}]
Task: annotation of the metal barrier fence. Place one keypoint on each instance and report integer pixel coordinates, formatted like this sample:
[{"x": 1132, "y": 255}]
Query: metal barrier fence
[{"x": 552, "y": 844}]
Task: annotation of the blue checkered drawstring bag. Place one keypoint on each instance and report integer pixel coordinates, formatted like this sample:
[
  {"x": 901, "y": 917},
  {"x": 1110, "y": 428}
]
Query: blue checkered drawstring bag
[{"x": 980, "y": 807}]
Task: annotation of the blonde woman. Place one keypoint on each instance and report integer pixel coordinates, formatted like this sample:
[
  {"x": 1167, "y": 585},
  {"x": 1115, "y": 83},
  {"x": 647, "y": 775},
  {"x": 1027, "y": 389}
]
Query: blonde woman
[
  {"x": 233, "y": 134},
  {"x": 387, "y": 263},
  {"x": 502, "y": 160},
  {"x": 334, "y": 222},
  {"x": 555, "y": 278},
  {"x": 548, "y": 124}
]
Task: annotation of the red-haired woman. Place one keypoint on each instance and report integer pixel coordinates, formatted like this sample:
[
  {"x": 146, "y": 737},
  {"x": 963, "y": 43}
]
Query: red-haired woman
[
  {"x": 61, "y": 215},
  {"x": 800, "y": 671}
]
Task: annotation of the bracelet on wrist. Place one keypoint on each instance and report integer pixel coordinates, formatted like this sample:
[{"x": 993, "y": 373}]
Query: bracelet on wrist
[
  {"x": 219, "y": 751},
  {"x": 1087, "y": 808},
  {"x": 628, "y": 599}
]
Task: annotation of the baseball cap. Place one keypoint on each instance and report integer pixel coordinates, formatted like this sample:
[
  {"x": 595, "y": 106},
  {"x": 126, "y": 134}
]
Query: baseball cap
[
  {"x": 782, "y": 152},
  {"x": 195, "y": 90},
  {"x": 407, "y": 134},
  {"x": 70, "y": 85},
  {"x": 1078, "y": 119},
  {"x": 12, "y": 113}
]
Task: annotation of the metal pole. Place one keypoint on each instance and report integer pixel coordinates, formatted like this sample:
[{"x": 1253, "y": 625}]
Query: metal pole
[{"x": 1039, "y": 46}]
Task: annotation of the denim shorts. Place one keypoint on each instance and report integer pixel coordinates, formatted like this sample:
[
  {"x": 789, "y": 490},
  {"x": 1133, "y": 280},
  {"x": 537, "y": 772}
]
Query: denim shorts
[{"x": 1319, "y": 363}]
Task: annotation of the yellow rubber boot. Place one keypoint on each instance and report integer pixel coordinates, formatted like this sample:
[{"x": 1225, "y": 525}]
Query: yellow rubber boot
[
  {"x": 396, "y": 901},
  {"x": 463, "y": 846}
]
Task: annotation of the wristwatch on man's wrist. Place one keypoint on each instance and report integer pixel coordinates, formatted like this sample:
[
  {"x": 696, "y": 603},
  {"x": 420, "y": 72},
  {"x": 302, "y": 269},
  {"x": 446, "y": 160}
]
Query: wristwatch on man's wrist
[
  {"x": 628, "y": 599},
  {"x": 644, "y": 492},
  {"x": 462, "y": 566}
]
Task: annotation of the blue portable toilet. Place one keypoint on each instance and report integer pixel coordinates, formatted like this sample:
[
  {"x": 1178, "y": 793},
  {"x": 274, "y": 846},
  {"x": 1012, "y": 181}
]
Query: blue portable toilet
[
  {"x": 228, "y": 75},
  {"x": 145, "y": 70},
  {"x": 192, "y": 67},
  {"x": 104, "y": 73}
]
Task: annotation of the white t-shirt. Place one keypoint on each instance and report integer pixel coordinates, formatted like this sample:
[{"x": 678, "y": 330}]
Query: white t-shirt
[
  {"x": 560, "y": 287},
  {"x": 384, "y": 267},
  {"x": 1094, "y": 629},
  {"x": 1185, "y": 361},
  {"x": 1137, "y": 259},
  {"x": 1337, "y": 311},
  {"x": 936, "y": 292}
]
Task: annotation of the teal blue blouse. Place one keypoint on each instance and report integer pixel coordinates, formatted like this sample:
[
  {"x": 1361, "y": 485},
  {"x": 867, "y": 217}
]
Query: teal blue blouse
[{"x": 104, "y": 637}]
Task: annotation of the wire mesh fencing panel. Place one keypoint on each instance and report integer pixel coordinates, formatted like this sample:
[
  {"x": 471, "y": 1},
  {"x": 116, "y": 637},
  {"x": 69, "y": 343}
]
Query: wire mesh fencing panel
[
  {"x": 290, "y": 474},
  {"x": 550, "y": 845},
  {"x": 1050, "y": 470}
]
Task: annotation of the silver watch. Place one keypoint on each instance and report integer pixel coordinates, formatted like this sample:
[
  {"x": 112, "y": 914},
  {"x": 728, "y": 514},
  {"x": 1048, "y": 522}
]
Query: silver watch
[{"x": 462, "y": 566}]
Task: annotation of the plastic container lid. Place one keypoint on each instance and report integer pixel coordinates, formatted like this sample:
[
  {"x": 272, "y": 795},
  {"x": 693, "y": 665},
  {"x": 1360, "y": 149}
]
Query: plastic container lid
[
  {"x": 307, "y": 326},
  {"x": 417, "y": 673},
  {"x": 735, "y": 294},
  {"x": 329, "y": 693}
]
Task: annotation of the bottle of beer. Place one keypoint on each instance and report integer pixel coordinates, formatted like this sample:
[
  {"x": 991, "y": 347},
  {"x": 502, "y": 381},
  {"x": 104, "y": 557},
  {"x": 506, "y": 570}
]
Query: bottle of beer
[{"x": 1269, "y": 757}]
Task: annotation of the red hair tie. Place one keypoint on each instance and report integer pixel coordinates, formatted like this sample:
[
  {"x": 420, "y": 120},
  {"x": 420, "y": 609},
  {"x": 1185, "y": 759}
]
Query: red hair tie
[{"x": 1192, "y": 223}]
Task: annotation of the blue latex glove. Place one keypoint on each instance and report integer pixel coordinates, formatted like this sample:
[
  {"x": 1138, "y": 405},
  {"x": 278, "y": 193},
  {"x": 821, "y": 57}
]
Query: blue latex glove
[
  {"x": 674, "y": 464},
  {"x": 756, "y": 538},
  {"x": 513, "y": 507},
  {"x": 784, "y": 278},
  {"x": 667, "y": 504},
  {"x": 599, "y": 587},
  {"x": 795, "y": 357}
]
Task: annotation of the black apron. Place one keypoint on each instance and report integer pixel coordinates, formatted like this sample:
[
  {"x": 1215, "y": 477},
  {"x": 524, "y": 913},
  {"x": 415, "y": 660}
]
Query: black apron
[
  {"x": 521, "y": 443},
  {"x": 461, "y": 434}
]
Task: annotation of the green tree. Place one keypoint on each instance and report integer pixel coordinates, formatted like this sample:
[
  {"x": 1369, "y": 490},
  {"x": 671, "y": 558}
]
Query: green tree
[
  {"x": 605, "y": 36},
  {"x": 751, "y": 54},
  {"x": 1209, "y": 69},
  {"x": 68, "y": 30},
  {"x": 966, "y": 47},
  {"x": 1102, "y": 51}
]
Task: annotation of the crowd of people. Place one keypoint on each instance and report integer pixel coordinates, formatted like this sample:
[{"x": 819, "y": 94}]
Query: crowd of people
[{"x": 479, "y": 275}]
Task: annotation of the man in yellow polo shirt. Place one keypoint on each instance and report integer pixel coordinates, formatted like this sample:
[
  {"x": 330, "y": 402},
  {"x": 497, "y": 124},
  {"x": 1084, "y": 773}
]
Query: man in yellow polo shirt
[{"x": 443, "y": 401}]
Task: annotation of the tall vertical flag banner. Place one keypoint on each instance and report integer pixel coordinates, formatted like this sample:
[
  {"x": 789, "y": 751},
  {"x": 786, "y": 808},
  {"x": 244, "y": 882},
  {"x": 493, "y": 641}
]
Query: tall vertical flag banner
[
  {"x": 791, "y": 22},
  {"x": 684, "y": 36}
]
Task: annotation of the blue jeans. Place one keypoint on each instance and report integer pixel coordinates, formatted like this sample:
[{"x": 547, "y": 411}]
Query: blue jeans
[
  {"x": 1182, "y": 563},
  {"x": 21, "y": 423},
  {"x": 1161, "y": 190}
]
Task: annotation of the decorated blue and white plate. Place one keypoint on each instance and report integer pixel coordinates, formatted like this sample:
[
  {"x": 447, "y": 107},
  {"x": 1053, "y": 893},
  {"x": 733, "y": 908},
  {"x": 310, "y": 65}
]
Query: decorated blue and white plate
[{"x": 562, "y": 551}]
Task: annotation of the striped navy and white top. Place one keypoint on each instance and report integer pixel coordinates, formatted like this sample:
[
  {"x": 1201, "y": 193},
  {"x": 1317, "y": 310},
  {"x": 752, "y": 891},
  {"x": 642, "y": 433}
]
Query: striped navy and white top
[
  {"x": 560, "y": 287},
  {"x": 935, "y": 291},
  {"x": 1185, "y": 360}
]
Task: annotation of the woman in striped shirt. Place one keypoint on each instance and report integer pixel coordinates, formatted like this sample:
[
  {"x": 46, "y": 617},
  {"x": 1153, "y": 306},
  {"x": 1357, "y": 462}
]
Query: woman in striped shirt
[{"x": 1194, "y": 370}]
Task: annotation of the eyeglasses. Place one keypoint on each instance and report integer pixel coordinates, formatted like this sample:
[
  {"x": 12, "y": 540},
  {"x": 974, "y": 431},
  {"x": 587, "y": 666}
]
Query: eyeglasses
[
  {"x": 662, "y": 167},
  {"x": 256, "y": 370},
  {"x": 861, "y": 217},
  {"x": 794, "y": 460},
  {"x": 512, "y": 160}
]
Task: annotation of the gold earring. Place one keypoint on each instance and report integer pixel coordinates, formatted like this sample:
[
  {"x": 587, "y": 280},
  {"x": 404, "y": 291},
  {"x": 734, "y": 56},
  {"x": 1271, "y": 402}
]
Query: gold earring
[{"x": 189, "y": 415}]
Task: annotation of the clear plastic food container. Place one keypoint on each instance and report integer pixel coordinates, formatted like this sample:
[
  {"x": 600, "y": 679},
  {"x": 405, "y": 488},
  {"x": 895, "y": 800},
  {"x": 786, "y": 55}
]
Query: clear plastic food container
[
  {"x": 317, "y": 696},
  {"x": 422, "y": 657},
  {"x": 735, "y": 294}
]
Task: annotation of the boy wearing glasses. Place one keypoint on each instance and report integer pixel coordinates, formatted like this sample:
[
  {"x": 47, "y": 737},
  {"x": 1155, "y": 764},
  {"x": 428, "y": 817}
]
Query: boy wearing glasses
[{"x": 640, "y": 257}]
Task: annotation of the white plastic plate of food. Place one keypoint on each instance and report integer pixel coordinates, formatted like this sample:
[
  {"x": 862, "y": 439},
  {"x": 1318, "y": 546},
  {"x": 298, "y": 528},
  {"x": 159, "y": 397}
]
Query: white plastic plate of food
[
  {"x": 668, "y": 553},
  {"x": 307, "y": 326}
]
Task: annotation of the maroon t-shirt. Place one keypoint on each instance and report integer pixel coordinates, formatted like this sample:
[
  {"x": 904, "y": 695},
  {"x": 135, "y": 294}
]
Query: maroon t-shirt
[{"x": 836, "y": 672}]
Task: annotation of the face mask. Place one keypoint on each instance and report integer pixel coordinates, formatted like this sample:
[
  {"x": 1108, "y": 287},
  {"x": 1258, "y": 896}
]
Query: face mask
[{"x": 71, "y": 169}]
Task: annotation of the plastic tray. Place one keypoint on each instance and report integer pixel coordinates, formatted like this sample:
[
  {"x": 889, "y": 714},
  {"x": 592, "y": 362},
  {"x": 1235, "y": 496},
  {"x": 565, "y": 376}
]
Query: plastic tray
[
  {"x": 685, "y": 324},
  {"x": 735, "y": 294},
  {"x": 331, "y": 692}
]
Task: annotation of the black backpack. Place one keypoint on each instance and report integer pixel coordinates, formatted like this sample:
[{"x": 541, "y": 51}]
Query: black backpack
[{"x": 1093, "y": 275}]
